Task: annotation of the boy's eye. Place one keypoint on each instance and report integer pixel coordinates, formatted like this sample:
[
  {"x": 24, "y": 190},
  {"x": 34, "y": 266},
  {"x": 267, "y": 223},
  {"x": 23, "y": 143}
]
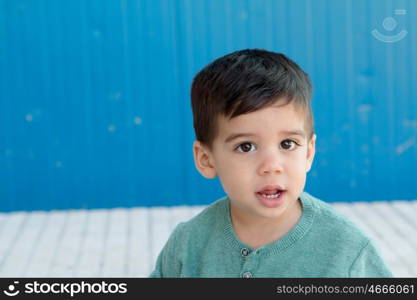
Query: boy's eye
[
  {"x": 289, "y": 145},
  {"x": 245, "y": 147}
]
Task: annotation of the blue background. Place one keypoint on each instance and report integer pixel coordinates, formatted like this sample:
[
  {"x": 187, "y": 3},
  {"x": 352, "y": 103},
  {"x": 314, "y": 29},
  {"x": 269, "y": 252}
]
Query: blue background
[{"x": 95, "y": 108}]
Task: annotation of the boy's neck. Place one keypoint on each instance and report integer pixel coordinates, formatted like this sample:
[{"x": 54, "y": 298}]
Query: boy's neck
[{"x": 257, "y": 232}]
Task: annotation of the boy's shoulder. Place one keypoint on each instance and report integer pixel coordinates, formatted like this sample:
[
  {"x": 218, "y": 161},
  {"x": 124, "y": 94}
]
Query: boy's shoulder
[
  {"x": 210, "y": 217},
  {"x": 343, "y": 240},
  {"x": 328, "y": 220},
  {"x": 212, "y": 214}
]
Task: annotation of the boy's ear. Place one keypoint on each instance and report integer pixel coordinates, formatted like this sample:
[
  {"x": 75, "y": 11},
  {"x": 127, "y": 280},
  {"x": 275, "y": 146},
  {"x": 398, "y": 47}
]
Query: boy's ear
[
  {"x": 202, "y": 160},
  {"x": 311, "y": 151}
]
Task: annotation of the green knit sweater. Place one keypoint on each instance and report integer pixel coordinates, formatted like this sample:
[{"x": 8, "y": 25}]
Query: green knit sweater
[{"x": 322, "y": 244}]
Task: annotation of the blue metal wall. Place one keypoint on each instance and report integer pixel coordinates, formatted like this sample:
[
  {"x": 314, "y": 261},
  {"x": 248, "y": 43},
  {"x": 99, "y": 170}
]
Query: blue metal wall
[{"x": 95, "y": 108}]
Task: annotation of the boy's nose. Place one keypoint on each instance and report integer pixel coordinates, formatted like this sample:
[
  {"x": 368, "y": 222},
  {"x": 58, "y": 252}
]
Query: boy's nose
[{"x": 271, "y": 165}]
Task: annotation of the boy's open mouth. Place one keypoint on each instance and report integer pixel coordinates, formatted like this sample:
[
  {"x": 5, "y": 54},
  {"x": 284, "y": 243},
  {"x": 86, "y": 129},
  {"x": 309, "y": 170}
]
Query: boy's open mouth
[
  {"x": 271, "y": 196},
  {"x": 271, "y": 191}
]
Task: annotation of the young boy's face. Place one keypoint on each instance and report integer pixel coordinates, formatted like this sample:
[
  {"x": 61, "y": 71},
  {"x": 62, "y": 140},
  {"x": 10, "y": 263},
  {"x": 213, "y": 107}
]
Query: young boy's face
[{"x": 277, "y": 153}]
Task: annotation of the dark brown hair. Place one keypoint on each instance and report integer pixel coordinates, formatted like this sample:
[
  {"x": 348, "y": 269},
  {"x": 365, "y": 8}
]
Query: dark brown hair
[{"x": 246, "y": 81}]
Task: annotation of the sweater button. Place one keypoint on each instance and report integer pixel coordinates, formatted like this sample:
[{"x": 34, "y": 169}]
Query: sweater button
[
  {"x": 245, "y": 252},
  {"x": 247, "y": 275}
]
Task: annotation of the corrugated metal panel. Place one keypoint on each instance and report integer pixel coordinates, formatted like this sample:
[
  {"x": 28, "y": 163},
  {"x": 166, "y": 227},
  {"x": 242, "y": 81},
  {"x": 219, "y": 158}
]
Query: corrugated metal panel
[{"x": 94, "y": 107}]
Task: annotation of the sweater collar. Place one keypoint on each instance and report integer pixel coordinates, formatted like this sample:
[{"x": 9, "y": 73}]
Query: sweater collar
[{"x": 300, "y": 229}]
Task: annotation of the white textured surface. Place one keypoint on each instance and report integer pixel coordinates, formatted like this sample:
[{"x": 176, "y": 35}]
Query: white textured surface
[{"x": 125, "y": 242}]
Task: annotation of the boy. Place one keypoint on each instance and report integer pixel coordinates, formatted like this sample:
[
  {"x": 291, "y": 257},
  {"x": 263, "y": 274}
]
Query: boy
[{"x": 254, "y": 128}]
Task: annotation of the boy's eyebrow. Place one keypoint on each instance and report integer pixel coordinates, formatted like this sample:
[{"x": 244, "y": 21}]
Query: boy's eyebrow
[
  {"x": 285, "y": 132},
  {"x": 237, "y": 135},
  {"x": 294, "y": 132}
]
